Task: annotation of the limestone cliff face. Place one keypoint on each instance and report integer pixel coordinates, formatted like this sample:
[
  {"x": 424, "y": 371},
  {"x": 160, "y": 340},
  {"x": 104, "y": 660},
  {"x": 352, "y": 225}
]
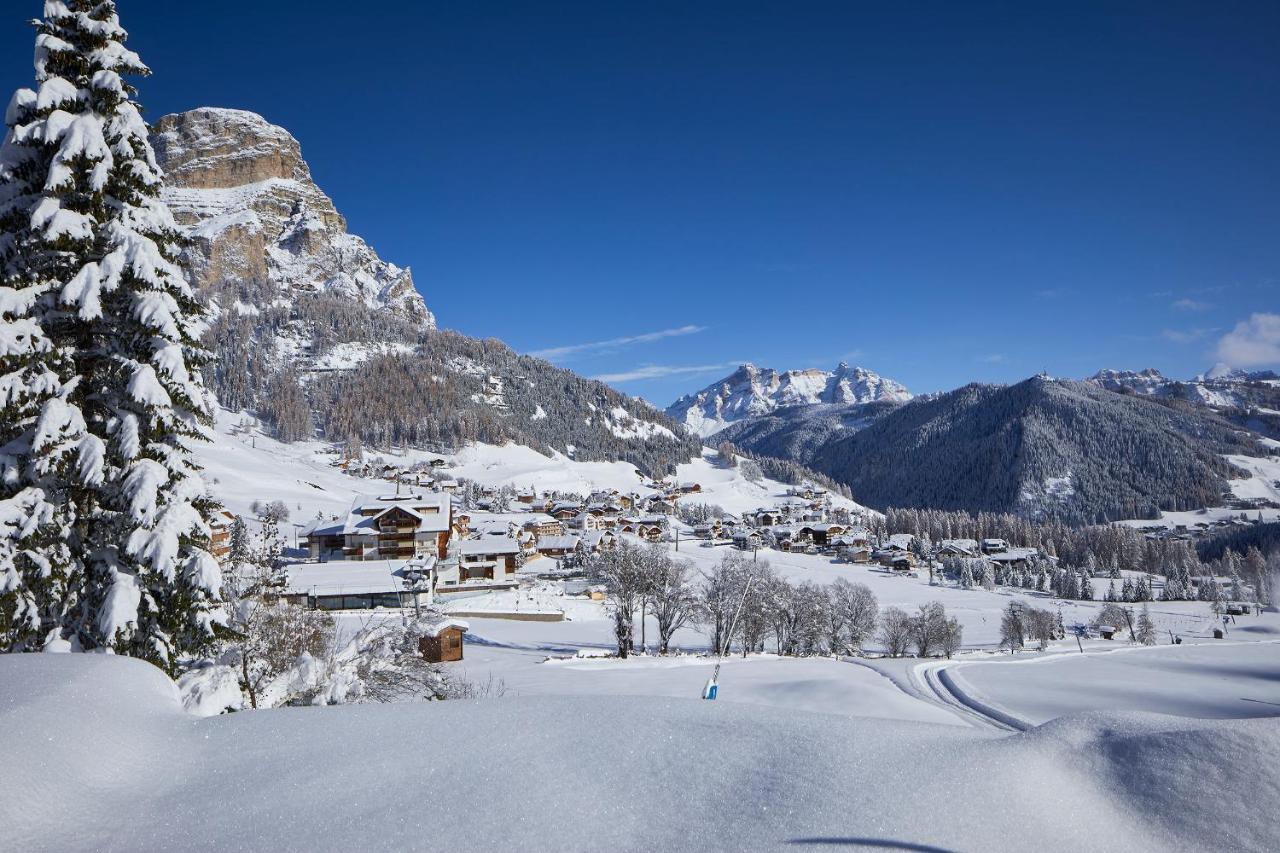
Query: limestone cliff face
[{"x": 261, "y": 227}]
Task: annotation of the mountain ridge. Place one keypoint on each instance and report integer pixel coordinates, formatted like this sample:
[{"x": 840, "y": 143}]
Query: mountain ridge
[
  {"x": 752, "y": 391},
  {"x": 1042, "y": 448}
]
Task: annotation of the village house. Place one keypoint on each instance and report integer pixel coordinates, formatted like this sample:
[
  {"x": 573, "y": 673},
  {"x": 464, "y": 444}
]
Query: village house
[
  {"x": 559, "y": 546},
  {"x": 1014, "y": 558},
  {"x": 769, "y": 517},
  {"x": 898, "y": 561},
  {"x": 364, "y": 584},
  {"x": 662, "y": 506},
  {"x": 994, "y": 546},
  {"x": 220, "y": 533},
  {"x": 595, "y": 541},
  {"x": 899, "y": 542},
  {"x": 823, "y": 532},
  {"x": 957, "y": 548},
  {"x": 489, "y": 558},
  {"x": 852, "y": 550},
  {"x": 565, "y": 510},
  {"x": 388, "y": 527},
  {"x": 650, "y": 528},
  {"x": 586, "y": 521},
  {"x": 708, "y": 529}
]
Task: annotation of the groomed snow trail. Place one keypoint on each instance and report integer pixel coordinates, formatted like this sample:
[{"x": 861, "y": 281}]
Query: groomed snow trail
[{"x": 937, "y": 686}]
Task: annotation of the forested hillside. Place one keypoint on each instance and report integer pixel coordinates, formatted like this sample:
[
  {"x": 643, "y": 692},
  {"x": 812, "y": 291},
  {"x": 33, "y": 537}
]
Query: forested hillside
[
  {"x": 1042, "y": 448},
  {"x": 436, "y": 389}
]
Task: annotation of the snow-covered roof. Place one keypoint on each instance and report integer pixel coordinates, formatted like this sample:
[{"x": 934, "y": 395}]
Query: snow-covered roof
[
  {"x": 345, "y": 577},
  {"x": 431, "y": 511},
  {"x": 435, "y": 629},
  {"x": 490, "y": 545},
  {"x": 592, "y": 538},
  {"x": 558, "y": 543},
  {"x": 1013, "y": 555}
]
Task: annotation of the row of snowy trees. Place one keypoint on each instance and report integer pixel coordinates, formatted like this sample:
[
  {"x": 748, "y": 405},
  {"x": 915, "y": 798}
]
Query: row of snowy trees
[
  {"x": 102, "y": 511},
  {"x": 742, "y": 603},
  {"x": 1022, "y": 624},
  {"x": 1097, "y": 551}
]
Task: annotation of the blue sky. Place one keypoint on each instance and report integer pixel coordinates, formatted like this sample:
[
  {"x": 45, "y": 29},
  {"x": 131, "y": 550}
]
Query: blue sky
[{"x": 651, "y": 192}]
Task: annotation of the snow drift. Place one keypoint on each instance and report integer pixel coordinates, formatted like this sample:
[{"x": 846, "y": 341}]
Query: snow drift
[{"x": 108, "y": 760}]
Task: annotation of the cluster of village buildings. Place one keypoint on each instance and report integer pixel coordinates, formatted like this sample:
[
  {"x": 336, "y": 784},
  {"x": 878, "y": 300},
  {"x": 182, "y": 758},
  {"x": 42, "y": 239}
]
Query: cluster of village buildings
[{"x": 416, "y": 542}]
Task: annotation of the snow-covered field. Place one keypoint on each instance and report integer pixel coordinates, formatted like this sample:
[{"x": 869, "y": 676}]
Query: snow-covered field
[
  {"x": 1224, "y": 680},
  {"x": 1263, "y": 480},
  {"x": 109, "y": 761}
]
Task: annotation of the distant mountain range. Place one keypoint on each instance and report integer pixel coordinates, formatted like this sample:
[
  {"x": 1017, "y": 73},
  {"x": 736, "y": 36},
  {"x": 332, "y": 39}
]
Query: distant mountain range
[
  {"x": 753, "y": 392},
  {"x": 1118, "y": 443},
  {"x": 1219, "y": 388}
]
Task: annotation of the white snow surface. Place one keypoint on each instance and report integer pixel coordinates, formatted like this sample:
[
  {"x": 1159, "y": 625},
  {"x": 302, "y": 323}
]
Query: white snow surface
[
  {"x": 111, "y": 761},
  {"x": 1190, "y": 680}
]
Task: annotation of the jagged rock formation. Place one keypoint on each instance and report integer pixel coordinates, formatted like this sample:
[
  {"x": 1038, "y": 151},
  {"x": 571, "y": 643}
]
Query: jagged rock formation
[
  {"x": 258, "y": 221},
  {"x": 751, "y": 392},
  {"x": 1249, "y": 399}
]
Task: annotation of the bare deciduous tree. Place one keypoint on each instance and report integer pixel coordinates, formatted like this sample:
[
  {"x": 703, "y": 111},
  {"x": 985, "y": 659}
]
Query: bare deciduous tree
[
  {"x": 671, "y": 597},
  {"x": 895, "y": 631},
  {"x": 929, "y": 628},
  {"x": 851, "y": 615},
  {"x": 623, "y": 572}
]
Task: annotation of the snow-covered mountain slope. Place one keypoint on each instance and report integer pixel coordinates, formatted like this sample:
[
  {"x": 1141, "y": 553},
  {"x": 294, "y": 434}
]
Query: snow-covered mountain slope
[
  {"x": 240, "y": 186},
  {"x": 752, "y": 391},
  {"x": 244, "y": 464}
]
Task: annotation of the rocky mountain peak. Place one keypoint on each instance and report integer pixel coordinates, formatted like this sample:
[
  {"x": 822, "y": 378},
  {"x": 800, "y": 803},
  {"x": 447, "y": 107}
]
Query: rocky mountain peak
[
  {"x": 751, "y": 391},
  {"x": 261, "y": 228}
]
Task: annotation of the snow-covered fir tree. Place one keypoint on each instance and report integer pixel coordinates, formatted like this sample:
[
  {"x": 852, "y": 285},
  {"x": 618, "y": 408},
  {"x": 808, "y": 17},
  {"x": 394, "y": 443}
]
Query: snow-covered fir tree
[
  {"x": 40, "y": 435},
  {"x": 109, "y": 359}
]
